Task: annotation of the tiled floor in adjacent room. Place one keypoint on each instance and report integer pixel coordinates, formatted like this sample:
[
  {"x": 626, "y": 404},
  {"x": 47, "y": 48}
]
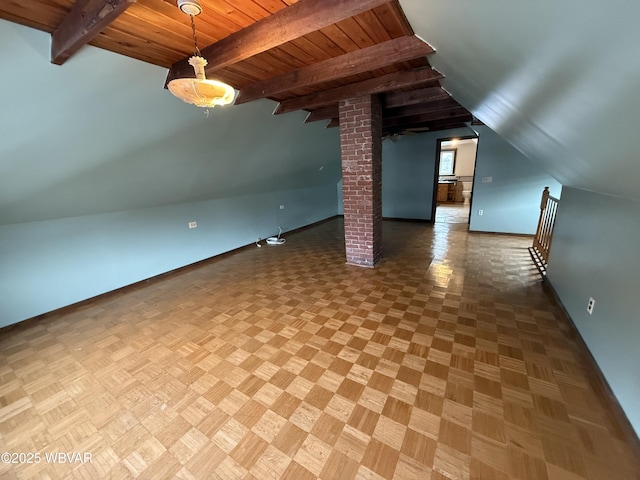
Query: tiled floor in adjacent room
[
  {"x": 452, "y": 213},
  {"x": 447, "y": 361}
]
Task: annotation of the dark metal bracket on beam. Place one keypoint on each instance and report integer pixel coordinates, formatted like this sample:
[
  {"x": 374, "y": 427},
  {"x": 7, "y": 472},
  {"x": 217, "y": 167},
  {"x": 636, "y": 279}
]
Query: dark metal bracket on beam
[{"x": 86, "y": 19}]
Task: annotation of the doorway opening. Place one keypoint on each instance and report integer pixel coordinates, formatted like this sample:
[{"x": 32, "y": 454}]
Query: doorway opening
[{"x": 453, "y": 180}]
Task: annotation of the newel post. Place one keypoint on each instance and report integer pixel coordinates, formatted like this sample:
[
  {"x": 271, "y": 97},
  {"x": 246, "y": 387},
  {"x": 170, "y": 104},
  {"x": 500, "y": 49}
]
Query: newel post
[
  {"x": 545, "y": 198},
  {"x": 543, "y": 207}
]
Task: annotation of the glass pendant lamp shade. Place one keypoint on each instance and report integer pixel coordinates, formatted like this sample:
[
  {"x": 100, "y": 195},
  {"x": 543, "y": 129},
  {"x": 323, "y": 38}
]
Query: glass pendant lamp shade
[{"x": 199, "y": 91}]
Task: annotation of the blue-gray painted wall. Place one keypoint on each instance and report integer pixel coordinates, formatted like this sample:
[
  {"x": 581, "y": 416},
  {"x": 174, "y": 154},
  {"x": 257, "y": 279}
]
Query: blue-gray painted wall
[
  {"x": 102, "y": 170},
  {"x": 408, "y": 169},
  {"x": 50, "y": 264},
  {"x": 511, "y": 201},
  {"x": 595, "y": 254}
]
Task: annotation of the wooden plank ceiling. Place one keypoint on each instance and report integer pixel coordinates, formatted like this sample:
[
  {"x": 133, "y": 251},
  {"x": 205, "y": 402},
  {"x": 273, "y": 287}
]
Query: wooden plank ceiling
[{"x": 304, "y": 54}]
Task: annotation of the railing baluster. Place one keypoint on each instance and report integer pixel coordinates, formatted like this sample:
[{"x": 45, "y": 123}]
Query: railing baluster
[{"x": 544, "y": 232}]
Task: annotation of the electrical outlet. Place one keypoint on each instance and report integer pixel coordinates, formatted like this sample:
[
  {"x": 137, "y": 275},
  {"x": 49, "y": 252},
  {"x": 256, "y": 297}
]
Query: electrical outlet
[
  {"x": 590, "y": 305},
  {"x": 480, "y": 212},
  {"x": 281, "y": 207},
  {"x": 193, "y": 224},
  {"x": 487, "y": 179}
]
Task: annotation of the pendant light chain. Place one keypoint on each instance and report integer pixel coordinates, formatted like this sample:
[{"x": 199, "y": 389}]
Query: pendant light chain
[{"x": 195, "y": 38}]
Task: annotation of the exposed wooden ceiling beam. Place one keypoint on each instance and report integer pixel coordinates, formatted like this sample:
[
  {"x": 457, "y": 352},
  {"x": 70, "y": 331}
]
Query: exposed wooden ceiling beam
[
  {"x": 294, "y": 21},
  {"x": 457, "y": 122},
  {"x": 407, "y": 122},
  {"x": 335, "y": 122},
  {"x": 434, "y": 127},
  {"x": 419, "y": 109},
  {"x": 398, "y": 50},
  {"x": 86, "y": 19},
  {"x": 372, "y": 86},
  {"x": 429, "y": 99},
  {"x": 447, "y": 122},
  {"x": 400, "y": 99},
  {"x": 325, "y": 113}
]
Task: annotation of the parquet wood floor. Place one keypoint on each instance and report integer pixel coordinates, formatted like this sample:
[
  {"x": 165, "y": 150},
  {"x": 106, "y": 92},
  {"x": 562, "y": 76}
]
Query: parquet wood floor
[{"x": 447, "y": 361}]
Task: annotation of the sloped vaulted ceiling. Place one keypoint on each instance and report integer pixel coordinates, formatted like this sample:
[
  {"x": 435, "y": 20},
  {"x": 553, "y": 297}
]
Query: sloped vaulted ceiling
[
  {"x": 558, "y": 80},
  {"x": 100, "y": 135}
]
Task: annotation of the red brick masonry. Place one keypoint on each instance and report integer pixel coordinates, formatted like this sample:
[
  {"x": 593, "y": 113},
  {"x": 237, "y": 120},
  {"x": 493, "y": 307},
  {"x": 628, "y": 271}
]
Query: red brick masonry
[{"x": 361, "y": 145}]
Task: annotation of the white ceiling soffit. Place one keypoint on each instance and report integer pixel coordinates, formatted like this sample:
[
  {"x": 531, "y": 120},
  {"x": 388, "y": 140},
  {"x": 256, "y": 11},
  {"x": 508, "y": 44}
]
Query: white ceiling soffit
[{"x": 559, "y": 80}]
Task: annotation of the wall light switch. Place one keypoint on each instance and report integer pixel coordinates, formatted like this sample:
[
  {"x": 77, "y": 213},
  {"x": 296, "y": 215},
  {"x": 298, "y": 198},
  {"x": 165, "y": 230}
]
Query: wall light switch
[
  {"x": 487, "y": 179},
  {"x": 281, "y": 207}
]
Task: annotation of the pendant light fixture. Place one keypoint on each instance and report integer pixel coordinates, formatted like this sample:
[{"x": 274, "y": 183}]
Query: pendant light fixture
[{"x": 199, "y": 91}]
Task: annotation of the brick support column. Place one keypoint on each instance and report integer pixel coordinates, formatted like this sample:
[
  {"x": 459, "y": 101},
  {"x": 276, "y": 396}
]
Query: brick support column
[{"x": 361, "y": 145}]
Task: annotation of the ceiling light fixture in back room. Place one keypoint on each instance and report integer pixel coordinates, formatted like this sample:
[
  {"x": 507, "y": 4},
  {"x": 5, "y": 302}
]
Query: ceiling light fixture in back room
[{"x": 199, "y": 91}]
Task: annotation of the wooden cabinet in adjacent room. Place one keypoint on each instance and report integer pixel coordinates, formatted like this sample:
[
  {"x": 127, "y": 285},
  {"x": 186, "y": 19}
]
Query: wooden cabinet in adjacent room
[
  {"x": 450, "y": 192},
  {"x": 443, "y": 192}
]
